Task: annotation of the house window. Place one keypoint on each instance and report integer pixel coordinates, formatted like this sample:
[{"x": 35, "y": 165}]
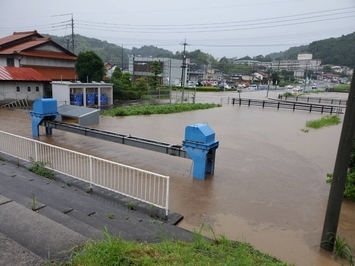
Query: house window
[
  {"x": 18, "y": 89},
  {"x": 37, "y": 88},
  {"x": 10, "y": 62},
  {"x": 29, "y": 89}
]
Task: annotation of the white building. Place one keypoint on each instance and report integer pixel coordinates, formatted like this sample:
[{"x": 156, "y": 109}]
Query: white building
[
  {"x": 171, "y": 69},
  {"x": 21, "y": 83},
  {"x": 80, "y": 93}
]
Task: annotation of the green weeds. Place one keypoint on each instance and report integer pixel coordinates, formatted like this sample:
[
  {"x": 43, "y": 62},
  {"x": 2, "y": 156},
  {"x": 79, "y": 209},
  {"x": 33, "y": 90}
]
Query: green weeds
[
  {"x": 39, "y": 168},
  {"x": 157, "y": 109},
  {"x": 323, "y": 122},
  {"x": 343, "y": 250},
  {"x": 129, "y": 205},
  {"x": 34, "y": 204},
  {"x": 349, "y": 191},
  {"x": 200, "y": 251}
]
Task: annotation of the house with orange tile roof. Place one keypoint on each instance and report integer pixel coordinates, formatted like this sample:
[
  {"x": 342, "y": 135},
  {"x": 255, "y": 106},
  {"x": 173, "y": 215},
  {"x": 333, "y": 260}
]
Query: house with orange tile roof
[
  {"x": 29, "y": 63},
  {"x": 30, "y": 49}
]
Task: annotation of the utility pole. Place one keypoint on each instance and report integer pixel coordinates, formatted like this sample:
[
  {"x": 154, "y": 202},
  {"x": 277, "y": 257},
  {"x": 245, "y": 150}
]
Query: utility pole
[
  {"x": 336, "y": 193},
  {"x": 67, "y": 41},
  {"x": 183, "y": 71},
  {"x": 122, "y": 58},
  {"x": 268, "y": 84},
  {"x": 133, "y": 69},
  {"x": 170, "y": 79},
  {"x": 305, "y": 79},
  {"x": 72, "y": 32}
]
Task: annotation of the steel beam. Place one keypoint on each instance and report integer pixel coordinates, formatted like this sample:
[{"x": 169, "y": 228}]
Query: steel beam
[{"x": 147, "y": 144}]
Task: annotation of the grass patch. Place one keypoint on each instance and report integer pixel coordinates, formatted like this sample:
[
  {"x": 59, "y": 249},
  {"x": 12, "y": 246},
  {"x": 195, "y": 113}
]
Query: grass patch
[
  {"x": 323, "y": 122},
  {"x": 39, "y": 168},
  {"x": 130, "y": 205},
  {"x": 158, "y": 109},
  {"x": 342, "y": 87},
  {"x": 349, "y": 190},
  {"x": 343, "y": 250},
  {"x": 288, "y": 94},
  {"x": 201, "y": 251}
]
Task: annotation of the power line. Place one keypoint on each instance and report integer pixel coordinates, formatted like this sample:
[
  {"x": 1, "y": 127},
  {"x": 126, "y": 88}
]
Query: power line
[{"x": 263, "y": 20}]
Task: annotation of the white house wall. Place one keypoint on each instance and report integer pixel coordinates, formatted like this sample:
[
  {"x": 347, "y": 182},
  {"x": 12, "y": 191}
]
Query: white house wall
[
  {"x": 40, "y": 61},
  {"x": 48, "y": 47},
  {"x": 61, "y": 93},
  {"x": 8, "y": 90},
  {"x": 3, "y": 61}
]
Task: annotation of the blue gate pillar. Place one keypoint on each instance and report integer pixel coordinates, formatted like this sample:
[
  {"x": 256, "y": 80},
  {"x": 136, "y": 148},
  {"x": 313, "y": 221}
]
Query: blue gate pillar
[
  {"x": 43, "y": 109},
  {"x": 200, "y": 145}
]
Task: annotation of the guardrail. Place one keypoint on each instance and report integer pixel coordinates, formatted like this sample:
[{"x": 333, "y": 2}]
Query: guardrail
[
  {"x": 294, "y": 106},
  {"x": 313, "y": 100},
  {"x": 136, "y": 183}
]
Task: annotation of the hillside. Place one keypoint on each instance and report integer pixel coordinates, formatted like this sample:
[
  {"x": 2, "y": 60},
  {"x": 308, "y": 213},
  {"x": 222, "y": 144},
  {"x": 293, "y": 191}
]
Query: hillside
[
  {"x": 110, "y": 52},
  {"x": 334, "y": 51}
]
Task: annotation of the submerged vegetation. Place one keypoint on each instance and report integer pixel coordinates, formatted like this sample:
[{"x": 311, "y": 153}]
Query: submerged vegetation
[
  {"x": 323, "y": 122},
  {"x": 158, "y": 109},
  {"x": 200, "y": 251}
]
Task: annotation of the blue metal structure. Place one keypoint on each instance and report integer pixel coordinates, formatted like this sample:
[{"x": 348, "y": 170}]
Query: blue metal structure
[
  {"x": 200, "y": 145},
  {"x": 43, "y": 109}
]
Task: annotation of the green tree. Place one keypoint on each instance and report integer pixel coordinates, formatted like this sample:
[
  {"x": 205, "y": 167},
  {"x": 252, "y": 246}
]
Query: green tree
[
  {"x": 275, "y": 78},
  {"x": 245, "y": 58},
  {"x": 117, "y": 73},
  {"x": 140, "y": 85},
  {"x": 156, "y": 70},
  {"x": 328, "y": 69},
  {"x": 125, "y": 79},
  {"x": 89, "y": 67}
]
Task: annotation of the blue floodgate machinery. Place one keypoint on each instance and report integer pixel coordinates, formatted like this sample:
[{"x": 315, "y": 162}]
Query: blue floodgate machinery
[
  {"x": 199, "y": 144},
  {"x": 43, "y": 109}
]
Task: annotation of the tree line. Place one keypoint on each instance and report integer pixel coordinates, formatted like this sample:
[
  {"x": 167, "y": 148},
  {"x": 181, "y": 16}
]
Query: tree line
[{"x": 335, "y": 51}]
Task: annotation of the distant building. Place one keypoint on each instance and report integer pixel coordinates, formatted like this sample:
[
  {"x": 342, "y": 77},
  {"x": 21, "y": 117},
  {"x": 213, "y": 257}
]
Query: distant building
[
  {"x": 139, "y": 67},
  {"x": 300, "y": 67},
  {"x": 301, "y": 57}
]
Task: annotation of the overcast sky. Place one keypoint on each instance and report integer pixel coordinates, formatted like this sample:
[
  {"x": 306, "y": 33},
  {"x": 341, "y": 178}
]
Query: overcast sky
[{"x": 231, "y": 28}]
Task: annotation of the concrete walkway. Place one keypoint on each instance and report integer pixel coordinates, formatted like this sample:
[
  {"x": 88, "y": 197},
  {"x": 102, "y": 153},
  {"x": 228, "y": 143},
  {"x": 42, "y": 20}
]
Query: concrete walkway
[{"x": 42, "y": 219}]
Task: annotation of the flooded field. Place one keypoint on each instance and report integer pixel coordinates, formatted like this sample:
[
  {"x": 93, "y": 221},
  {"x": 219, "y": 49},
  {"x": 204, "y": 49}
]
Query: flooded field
[{"x": 269, "y": 184}]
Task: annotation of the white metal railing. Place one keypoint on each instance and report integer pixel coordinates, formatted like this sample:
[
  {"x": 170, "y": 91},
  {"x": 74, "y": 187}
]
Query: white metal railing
[{"x": 136, "y": 183}]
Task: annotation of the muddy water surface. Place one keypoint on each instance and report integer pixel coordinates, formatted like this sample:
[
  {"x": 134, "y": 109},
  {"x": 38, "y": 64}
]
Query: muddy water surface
[{"x": 269, "y": 184}]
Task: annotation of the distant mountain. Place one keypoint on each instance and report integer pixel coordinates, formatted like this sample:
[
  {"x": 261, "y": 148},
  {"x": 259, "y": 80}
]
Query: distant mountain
[{"x": 334, "y": 51}]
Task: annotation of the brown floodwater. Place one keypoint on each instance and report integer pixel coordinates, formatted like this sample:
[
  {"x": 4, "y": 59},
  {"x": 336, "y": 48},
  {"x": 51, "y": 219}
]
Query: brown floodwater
[{"x": 269, "y": 185}]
